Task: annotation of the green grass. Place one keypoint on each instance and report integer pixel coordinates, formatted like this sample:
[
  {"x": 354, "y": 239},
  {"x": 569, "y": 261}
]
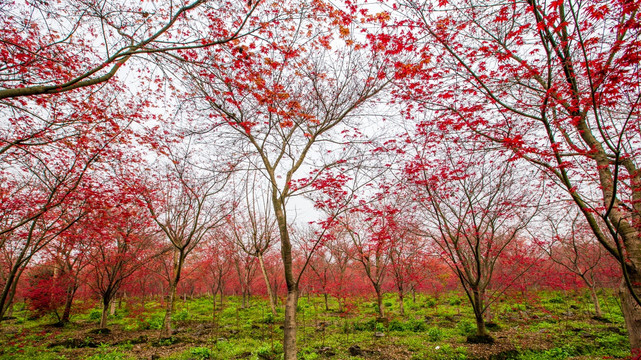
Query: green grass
[{"x": 432, "y": 328}]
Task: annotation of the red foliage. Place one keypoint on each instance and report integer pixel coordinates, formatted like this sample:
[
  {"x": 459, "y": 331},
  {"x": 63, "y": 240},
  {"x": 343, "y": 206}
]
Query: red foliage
[{"x": 46, "y": 290}]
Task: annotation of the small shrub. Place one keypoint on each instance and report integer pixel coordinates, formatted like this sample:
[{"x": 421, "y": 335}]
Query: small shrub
[
  {"x": 380, "y": 327},
  {"x": 430, "y": 302},
  {"x": 416, "y": 325},
  {"x": 113, "y": 355},
  {"x": 201, "y": 353},
  {"x": 434, "y": 334},
  {"x": 368, "y": 325},
  {"x": 557, "y": 353},
  {"x": 466, "y": 328},
  {"x": 267, "y": 352},
  {"x": 95, "y": 314},
  {"x": 613, "y": 344},
  {"x": 308, "y": 353},
  {"x": 181, "y": 315},
  {"x": 264, "y": 351},
  {"x": 376, "y": 308},
  {"x": 556, "y": 300},
  {"x": 156, "y": 320},
  {"x": 454, "y": 301},
  {"x": 269, "y": 318},
  {"x": 396, "y": 325}
]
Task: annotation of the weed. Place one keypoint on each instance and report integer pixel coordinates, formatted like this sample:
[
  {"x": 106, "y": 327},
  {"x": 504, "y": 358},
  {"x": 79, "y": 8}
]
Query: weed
[
  {"x": 396, "y": 325},
  {"x": 430, "y": 302},
  {"x": 466, "y": 328},
  {"x": 368, "y": 325},
  {"x": 109, "y": 355},
  {"x": 556, "y": 300},
  {"x": 201, "y": 353},
  {"x": 155, "y": 321},
  {"x": 379, "y": 326},
  {"x": 434, "y": 334},
  {"x": 454, "y": 301},
  {"x": 269, "y": 318},
  {"x": 181, "y": 315},
  {"x": 95, "y": 314}
]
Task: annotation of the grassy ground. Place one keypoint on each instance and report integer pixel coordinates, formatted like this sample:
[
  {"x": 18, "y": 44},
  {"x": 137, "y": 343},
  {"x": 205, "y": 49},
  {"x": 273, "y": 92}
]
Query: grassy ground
[{"x": 548, "y": 326}]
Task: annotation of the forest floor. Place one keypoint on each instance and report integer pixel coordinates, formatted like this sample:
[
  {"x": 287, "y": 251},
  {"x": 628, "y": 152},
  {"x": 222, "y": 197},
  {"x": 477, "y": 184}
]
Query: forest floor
[{"x": 547, "y": 326}]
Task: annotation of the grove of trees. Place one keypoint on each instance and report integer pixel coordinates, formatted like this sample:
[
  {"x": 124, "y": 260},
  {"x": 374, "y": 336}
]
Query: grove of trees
[{"x": 159, "y": 148}]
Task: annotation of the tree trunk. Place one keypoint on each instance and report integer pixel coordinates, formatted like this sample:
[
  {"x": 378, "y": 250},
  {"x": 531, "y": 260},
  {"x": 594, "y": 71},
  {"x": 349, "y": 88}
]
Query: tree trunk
[
  {"x": 169, "y": 312},
  {"x": 401, "y": 308},
  {"x": 12, "y": 293},
  {"x": 289, "y": 342},
  {"x": 631, "y": 312},
  {"x": 213, "y": 309},
  {"x": 6, "y": 298},
  {"x": 379, "y": 301},
  {"x": 595, "y": 300},
  {"x": 270, "y": 293},
  {"x": 173, "y": 286},
  {"x": 112, "y": 307},
  {"x": 289, "y": 332},
  {"x": 66, "y": 314},
  {"x": 480, "y": 323},
  {"x": 326, "y": 301},
  {"x": 105, "y": 312},
  {"x": 478, "y": 313}
]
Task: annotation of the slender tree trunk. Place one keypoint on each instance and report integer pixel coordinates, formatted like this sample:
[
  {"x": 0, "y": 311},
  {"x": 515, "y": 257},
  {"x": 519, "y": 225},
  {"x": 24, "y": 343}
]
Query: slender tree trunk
[
  {"x": 105, "y": 311},
  {"x": 401, "y": 306},
  {"x": 9, "y": 288},
  {"x": 112, "y": 307},
  {"x": 632, "y": 312},
  {"x": 478, "y": 313},
  {"x": 629, "y": 306},
  {"x": 66, "y": 314},
  {"x": 270, "y": 293},
  {"x": 326, "y": 301},
  {"x": 487, "y": 314},
  {"x": 289, "y": 343},
  {"x": 595, "y": 300},
  {"x": 169, "y": 311},
  {"x": 171, "y": 303},
  {"x": 480, "y": 323},
  {"x": 12, "y": 294},
  {"x": 379, "y": 301},
  {"x": 290, "y": 350}
]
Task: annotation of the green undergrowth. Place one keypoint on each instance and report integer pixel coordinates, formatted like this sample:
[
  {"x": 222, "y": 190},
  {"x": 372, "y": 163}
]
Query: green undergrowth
[{"x": 549, "y": 325}]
